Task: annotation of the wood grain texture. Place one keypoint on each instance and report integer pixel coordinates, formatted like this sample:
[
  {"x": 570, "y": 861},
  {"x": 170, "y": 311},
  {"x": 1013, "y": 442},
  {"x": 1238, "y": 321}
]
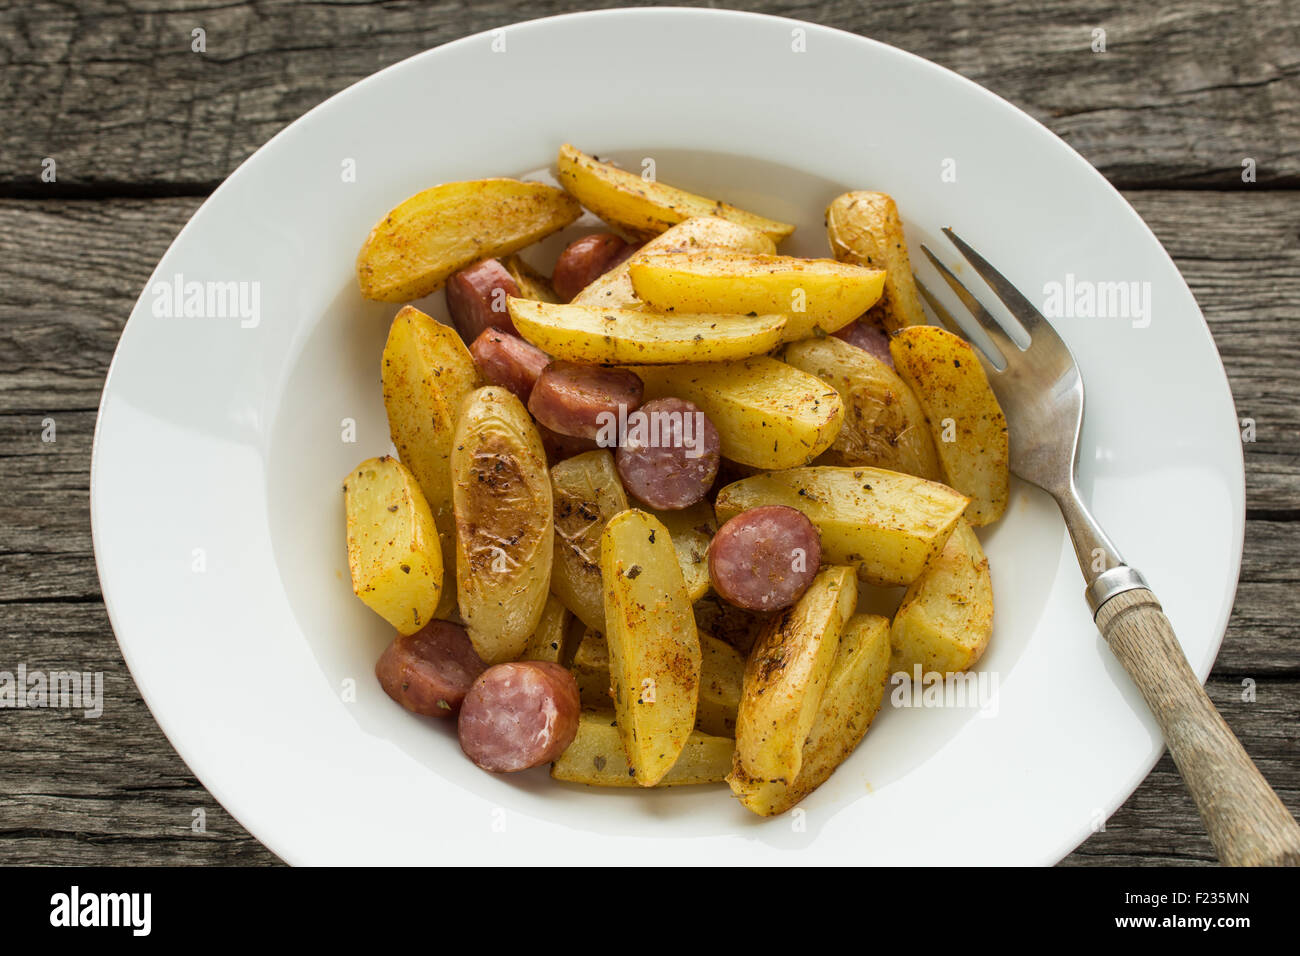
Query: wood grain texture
[
  {"x": 142, "y": 129},
  {"x": 114, "y": 93},
  {"x": 1247, "y": 822}
]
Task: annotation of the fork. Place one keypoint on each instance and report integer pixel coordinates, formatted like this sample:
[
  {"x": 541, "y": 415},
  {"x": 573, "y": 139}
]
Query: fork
[{"x": 1041, "y": 393}]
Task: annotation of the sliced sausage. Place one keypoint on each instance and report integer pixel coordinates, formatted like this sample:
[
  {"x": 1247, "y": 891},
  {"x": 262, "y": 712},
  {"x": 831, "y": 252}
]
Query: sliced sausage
[
  {"x": 507, "y": 360},
  {"x": 869, "y": 336},
  {"x": 430, "y": 672},
  {"x": 570, "y": 398},
  {"x": 585, "y": 260},
  {"x": 559, "y": 447},
  {"x": 764, "y": 559},
  {"x": 669, "y": 455},
  {"x": 519, "y": 715},
  {"x": 476, "y": 299}
]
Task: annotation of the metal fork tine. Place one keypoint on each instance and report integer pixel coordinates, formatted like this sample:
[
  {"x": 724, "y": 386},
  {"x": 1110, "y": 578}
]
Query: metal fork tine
[
  {"x": 991, "y": 326},
  {"x": 1011, "y": 297},
  {"x": 951, "y": 325}
]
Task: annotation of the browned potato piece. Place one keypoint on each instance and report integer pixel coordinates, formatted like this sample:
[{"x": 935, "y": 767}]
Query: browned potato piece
[
  {"x": 587, "y": 493},
  {"x": 854, "y": 691},
  {"x": 786, "y": 674},
  {"x": 864, "y": 228},
  {"x": 415, "y": 248},
  {"x": 596, "y": 757},
  {"x": 532, "y": 284},
  {"x": 548, "y": 640},
  {"x": 946, "y": 618}
]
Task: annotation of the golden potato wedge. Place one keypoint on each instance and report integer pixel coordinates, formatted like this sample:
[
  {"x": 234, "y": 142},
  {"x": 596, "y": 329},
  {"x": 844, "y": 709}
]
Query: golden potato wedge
[
  {"x": 786, "y": 674},
  {"x": 966, "y": 421},
  {"x": 587, "y": 492},
  {"x": 886, "y": 524},
  {"x": 546, "y": 643},
  {"x": 884, "y": 425},
  {"x": 816, "y": 296},
  {"x": 426, "y": 373},
  {"x": 591, "y": 670},
  {"x": 614, "y": 290},
  {"x": 505, "y": 526},
  {"x": 532, "y": 284},
  {"x": 946, "y": 618},
  {"x": 722, "y": 677},
  {"x": 414, "y": 249},
  {"x": 654, "y": 650},
  {"x": 854, "y": 691},
  {"x": 768, "y": 414},
  {"x": 596, "y": 757},
  {"x": 393, "y": 550},
  {"x": 597, "y": 336},
  {"x": 692, "y": 528},
  {"x": 643, "y": 208},
  {"x": 864, "y": 228}
]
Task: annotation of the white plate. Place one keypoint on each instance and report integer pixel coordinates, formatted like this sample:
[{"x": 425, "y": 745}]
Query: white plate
[{"x": 216, "y": 501}]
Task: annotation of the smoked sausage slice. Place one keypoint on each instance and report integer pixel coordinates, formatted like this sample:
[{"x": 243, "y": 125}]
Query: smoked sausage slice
[
  {"x": 867, "y": 335},
  {"x": 507, "y": 360},
  {"x": 476, "y": 299},
  {"x": 764, "y": 559},
  {"x": 585, "y": 260},
  {"x": 430, "y": 672},
  {"x": 569, "y": 398},
  {"x": 519, "y": 715},
  {"x": 669, "y": 455}
]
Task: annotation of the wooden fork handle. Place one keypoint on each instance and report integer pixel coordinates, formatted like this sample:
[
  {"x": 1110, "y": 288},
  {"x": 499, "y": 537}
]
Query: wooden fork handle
[{"x": 1248, "y": 824}]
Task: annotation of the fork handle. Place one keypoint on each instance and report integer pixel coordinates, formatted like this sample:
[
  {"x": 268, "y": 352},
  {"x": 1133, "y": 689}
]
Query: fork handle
[{"x": 1247, "y": 823}]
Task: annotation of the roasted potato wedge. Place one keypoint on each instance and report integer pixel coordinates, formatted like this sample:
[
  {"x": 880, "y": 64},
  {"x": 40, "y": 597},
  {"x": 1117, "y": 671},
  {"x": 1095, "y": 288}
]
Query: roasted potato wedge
[
  {"x": 532, "y": 284},
  {"x": 854, "y": 691},
  {"x": 614, "y": 290},
  {"x": 966, "y": 421},
  {"x": 886, "y": 524},
  {"x": 816, "y": 296},
  {"x": 884, "y": 425},
  {"x": 732, "y": 625},
  {"x": 654, "y": 650},
  {"x": 946, "y": 618},
  {"x": 591, "y": 670},
  {"x": 643, "y": 208},
  {"x": 393, "y": 549},
  {"x": 546, "y": 643},
  {"x": 692, "y": 528},
  {"x": 598, "y": 336},
  {"x": 768, "y": 414},
  {"x": 426, "y": 373},
  {"x": 786, "y": 674},
  {"x": 414, "y": 249},
  {"x": 505, "y": 526},
  {"x": 587, "y": 492},
  {"x": 596, "y": 757},
  {"x": 864, "y": 228}
]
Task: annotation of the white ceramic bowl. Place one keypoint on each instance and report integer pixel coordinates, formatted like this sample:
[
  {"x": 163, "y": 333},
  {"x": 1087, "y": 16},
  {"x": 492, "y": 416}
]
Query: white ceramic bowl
[{"x": 219, "y": 455}]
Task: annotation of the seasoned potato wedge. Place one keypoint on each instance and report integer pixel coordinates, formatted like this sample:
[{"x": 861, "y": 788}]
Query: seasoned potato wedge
[
  {"x": 786, "y": 674},
  {"x": 419, "y": 244},
  {"x": 426, "y": 373},
  {"x": 614, "y": 290},
  {"x": 722, "y": 669},
  {"x": 598, "y": 336},
  {"x": 884, "y": 425},
  {"x": 642, "y": 208},
  {"x": 596, "y": 757},
  {"x": 587, "y": 492},
  {"x": 966, "y": 421},
  {"x": 393, "y": 550},
  {"x": 532, "y": 284},
  {"x": 946, "y": 618},
  {"x": 733, "y": 625},
  {"x": 886, "y": 524},
  {"x": 854, "y": 691},
  {"x": 505, "y": 527},
  {"x": 816, "y": 295},
  {"x": 864, "y": 228},
  {"x": 768, "y": 414},
  {"x": 546, "y": 643},
  {"x": 692, "y": 528},
  {"x": 654, "y": 650}
]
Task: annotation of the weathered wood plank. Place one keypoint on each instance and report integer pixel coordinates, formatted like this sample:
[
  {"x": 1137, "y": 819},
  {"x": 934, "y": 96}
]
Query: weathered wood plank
[{"x": 115, "y": 94}]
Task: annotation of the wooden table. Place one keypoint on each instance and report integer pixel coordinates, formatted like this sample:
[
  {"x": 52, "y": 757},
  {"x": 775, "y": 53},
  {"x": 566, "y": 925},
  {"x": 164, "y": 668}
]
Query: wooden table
[{"x": 142, "y": 128}]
